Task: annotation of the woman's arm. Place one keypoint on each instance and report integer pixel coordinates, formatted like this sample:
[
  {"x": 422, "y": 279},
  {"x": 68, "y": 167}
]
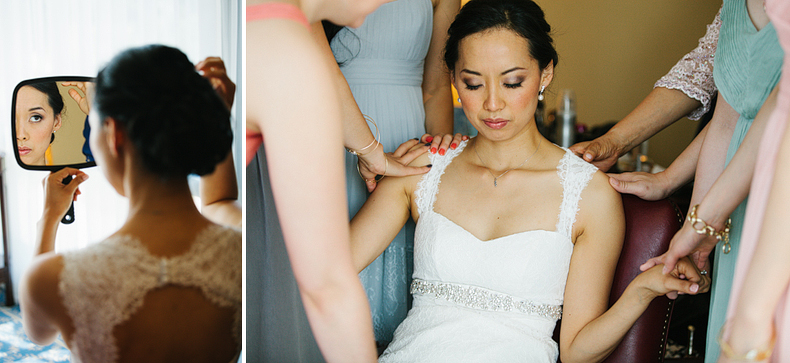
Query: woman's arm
[
  {"x": 294, "y": 98},
  {"x": 356, "y": 132},
  {"x": 436, "y": 92},
  {"x": 726, "y": 192},
  {"x": 43, "y": 313},
  {"x": 219, "y": 194},
  {"x": 659, "y": 109},
  {"x": 218, "y": 191},
  {"x": 686, "y": 90},
  {"x": 589, "y": 331},
  {"x": 386, "y": 210},
  {"x": 660, "y": 185}
]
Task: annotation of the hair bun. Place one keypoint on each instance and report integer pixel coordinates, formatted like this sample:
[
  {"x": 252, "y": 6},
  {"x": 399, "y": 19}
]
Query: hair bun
[{"x": 173, "y": 116}]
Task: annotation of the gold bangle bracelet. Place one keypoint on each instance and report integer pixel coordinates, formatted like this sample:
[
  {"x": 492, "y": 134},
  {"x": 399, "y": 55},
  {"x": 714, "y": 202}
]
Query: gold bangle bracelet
[
  {"x": 375, "y": 140},
  {"x": 723, "y": 235},
  {"x": 381, "y": 176},
  {"x": 753, "y": 355}
]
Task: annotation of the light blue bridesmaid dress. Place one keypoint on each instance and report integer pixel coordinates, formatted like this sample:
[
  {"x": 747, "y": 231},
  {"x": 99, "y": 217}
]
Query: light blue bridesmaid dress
[
  {"x": 383, "y": 63},
  {"x": 748, "y": 66}
]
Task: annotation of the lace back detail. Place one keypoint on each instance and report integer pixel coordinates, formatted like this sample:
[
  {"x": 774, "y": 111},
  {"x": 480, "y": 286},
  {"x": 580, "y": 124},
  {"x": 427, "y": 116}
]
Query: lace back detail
[
  {"x": 104, "y": 284},
  {"x": 574, "y": 174},
  {"x": 428, "y": 186}
]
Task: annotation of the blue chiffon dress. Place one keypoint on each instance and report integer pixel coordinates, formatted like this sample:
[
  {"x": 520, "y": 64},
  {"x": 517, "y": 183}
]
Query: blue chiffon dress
[{"x": 383, "y": 62}]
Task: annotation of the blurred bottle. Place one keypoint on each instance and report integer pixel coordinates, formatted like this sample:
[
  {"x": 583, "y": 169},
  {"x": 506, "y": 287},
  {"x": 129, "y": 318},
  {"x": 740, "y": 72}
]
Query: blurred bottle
[{"x": 566, "y": 118}]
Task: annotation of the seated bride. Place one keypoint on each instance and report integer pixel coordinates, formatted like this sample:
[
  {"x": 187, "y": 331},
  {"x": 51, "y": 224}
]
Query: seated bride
[{"x": 513, "y": 232}]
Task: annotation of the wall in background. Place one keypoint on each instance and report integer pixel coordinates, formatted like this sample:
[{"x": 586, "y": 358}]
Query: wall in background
[{"x": 613, "y": 51}]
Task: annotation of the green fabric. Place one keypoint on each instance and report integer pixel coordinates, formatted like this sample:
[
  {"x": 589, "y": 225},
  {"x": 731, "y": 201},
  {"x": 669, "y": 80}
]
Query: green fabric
[{"x": 747, "y": 67}]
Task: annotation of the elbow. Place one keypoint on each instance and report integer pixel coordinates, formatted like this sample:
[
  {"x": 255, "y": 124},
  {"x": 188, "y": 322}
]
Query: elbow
[{"x": 324, "y": 290}]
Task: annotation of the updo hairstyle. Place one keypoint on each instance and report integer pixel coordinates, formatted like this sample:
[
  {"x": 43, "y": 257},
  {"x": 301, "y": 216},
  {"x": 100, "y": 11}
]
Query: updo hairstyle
[
  {"x": 172, "y": 115},
  {"x": 54, "y": 98},
  {"x": 521, "y": 16}
]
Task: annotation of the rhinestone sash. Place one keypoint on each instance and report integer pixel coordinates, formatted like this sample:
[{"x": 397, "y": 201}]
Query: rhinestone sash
[{"x": 479, "y": 298}]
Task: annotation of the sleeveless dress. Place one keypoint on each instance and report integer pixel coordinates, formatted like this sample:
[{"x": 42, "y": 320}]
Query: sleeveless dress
[
  {"x": 277, "y": 325},
  {"x": 383, "y": 63},
  {"x": 104, "y": 284},
  {"x": 748, "y": 66},
  {"x": 779, "y": 12},
  {"x": 487, "y": 301}
]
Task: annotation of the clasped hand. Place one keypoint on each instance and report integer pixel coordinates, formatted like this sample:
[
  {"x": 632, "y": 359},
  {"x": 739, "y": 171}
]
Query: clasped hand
[{"x": 684, "y": 278}]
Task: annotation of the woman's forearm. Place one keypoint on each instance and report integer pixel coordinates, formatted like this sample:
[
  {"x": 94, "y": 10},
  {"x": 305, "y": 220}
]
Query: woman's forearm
[
  {"x": 681, "y": 171},
  {"x": 732, "y": 186},
  {"x": 437, "y": 94},
  {"x": 600, "y": 337},
  {"x": 46, "y": 230},
  {"x": 713, "y": 154},
  {"x": 659, "y": 109},
  {"x": 219, "y": 194}
]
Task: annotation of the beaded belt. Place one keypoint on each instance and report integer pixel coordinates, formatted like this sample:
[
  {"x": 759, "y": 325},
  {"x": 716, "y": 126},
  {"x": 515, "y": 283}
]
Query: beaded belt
[{"x": 479, "y": 298}]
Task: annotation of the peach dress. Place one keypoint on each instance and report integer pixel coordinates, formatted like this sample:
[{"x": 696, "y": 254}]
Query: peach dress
[{"x": 779, "y": 12}]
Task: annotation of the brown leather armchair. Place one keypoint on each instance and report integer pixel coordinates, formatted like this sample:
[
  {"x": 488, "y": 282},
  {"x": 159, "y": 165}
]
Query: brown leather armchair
[{"x": 649, "y": 227}]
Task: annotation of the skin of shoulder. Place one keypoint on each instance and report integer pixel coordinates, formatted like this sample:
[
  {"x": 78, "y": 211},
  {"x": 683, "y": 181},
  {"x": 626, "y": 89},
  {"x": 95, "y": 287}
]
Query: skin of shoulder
[{"x": 43, "y": 312}]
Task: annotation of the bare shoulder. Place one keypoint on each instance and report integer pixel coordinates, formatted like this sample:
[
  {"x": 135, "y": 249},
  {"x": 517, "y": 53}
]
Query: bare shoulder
[
  {"x": 43, "y": 312},
  {"x": 601, "y": 209},
  {"x": 42, "y": 278}
]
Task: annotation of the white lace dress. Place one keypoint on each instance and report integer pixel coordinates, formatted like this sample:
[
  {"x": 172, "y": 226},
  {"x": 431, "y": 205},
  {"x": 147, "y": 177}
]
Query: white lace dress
[
  {"x": 486, "y": 301},
  {"x": 104, "y": 284}
]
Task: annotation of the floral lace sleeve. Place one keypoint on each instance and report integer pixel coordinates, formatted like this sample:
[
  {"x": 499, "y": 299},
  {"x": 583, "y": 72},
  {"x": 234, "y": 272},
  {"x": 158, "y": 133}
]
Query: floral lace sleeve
[{"x": 693, "y": 74}]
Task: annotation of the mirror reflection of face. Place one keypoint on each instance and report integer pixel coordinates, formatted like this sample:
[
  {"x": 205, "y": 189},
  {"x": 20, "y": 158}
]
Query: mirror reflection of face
[{"x": 35, "y": 123}]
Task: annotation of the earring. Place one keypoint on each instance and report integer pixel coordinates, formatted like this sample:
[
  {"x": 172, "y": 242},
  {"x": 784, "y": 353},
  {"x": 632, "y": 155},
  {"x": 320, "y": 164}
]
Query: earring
[
  {"x": 540, "y": 95},
  {"x": 459, "y": 99}
]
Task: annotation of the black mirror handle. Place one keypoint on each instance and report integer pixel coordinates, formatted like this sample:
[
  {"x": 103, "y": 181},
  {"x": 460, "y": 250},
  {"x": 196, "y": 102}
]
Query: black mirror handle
[{"x": 69, "y": 217}]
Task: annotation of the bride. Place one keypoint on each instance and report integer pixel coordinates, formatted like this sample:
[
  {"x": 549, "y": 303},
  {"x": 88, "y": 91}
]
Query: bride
[{"x": 513, "y": 232}]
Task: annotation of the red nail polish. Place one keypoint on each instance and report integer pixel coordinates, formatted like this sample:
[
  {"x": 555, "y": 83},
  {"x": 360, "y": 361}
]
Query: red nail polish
[
  {"x": 441, "y": 152},
  {"x": 433, "y": 150},
  {"x": 453, "y": 145},
  {"x": 429, "y": 139}
]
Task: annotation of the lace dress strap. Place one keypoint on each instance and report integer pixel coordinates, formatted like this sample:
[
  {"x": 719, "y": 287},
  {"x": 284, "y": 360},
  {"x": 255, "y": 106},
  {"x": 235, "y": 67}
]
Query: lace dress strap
[
  {"x": 575, "y": 174},
  {"x": 104, "y": 284},
  {"x": 428, "y": 186}
]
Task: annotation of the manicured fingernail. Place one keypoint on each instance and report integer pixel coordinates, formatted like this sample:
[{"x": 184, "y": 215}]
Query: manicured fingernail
[
  {"x": 429, "y": 139},
  {"x": 427, "y": 144},
  {"x": 416, "y": 139},
  {"x": 694, "y": 288},
  {"x": 430, "y": 165},
  {"x": 84, "y": 177},
  {"x": 433, "y": 150},
  {"x": 453, "y": 145},
  {"x": 442, "y": 151}
]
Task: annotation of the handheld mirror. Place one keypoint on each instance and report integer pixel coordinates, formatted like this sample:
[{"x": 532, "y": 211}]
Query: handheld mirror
[{"x": 49, "y": 125}]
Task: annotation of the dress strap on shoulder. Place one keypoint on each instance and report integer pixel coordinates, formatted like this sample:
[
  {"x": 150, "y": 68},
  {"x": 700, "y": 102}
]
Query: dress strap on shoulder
[
  {"x": 276, "y": 10},
  {"x": 575, "y": 174},
  {"x": 428, "y": 186}
]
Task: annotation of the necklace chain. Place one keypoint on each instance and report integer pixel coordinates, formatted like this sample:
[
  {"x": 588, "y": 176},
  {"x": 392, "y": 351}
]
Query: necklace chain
[{"x": 507, "y": 171}]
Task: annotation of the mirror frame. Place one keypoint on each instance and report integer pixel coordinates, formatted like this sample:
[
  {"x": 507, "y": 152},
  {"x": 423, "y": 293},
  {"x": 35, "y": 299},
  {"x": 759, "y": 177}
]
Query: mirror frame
[{"x": 13, "y": 123}]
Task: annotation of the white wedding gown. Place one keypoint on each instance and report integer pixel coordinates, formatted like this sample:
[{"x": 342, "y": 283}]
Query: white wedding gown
[
  {"x": 486, "y": 301},
  {"x": 104, "y": 284}
]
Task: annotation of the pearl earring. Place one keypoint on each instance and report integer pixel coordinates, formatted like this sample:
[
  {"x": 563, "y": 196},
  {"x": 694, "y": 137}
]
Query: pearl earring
[
  {"x": 459, "y": 99},
  {"x": 540, "y": 95}
]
